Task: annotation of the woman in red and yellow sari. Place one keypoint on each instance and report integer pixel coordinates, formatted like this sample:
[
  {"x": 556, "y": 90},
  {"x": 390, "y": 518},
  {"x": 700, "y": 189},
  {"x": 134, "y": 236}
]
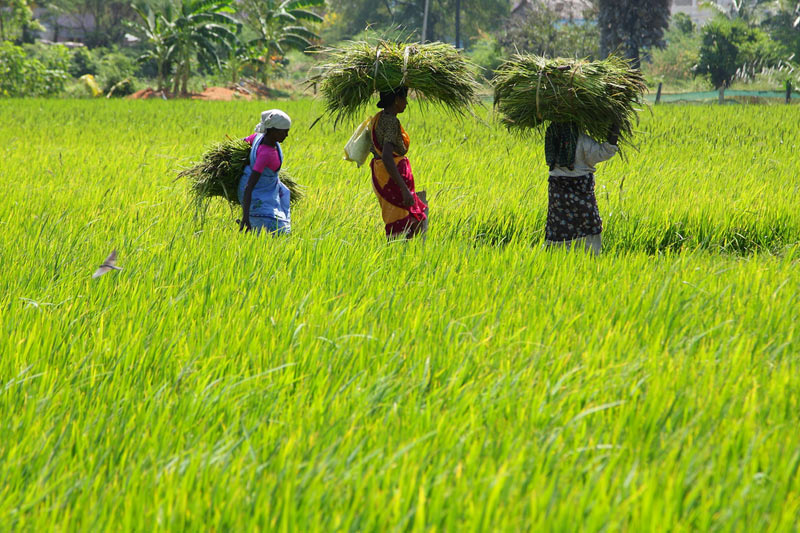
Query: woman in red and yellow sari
[{"x": 403, "y": 212}]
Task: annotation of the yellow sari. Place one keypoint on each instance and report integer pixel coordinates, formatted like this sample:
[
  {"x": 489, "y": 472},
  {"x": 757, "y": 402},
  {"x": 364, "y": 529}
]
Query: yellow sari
[{"x": 397, "y": 218}]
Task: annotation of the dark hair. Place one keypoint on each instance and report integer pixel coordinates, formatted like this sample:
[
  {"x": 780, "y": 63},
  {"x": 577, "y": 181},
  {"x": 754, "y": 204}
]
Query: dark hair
[{"x": 388, "y": 97}]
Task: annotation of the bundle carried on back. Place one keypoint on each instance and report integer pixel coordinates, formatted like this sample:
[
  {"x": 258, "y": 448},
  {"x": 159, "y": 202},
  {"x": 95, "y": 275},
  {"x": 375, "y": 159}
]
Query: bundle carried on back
[
  {"x": 531, "y": 91},
  {"x": 219, "y": 171},
  {"x": 435, "y": 72}
]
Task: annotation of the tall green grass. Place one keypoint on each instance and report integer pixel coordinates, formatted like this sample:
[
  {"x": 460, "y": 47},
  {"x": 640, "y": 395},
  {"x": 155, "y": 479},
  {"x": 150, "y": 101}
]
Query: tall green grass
[{"x": 329, "y": 381}]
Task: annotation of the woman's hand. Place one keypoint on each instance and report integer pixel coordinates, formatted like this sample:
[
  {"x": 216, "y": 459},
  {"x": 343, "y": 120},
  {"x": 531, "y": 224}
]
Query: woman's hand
[
  {"x": 248, "y": 197},
  {"x": 244, "y": 226},
  {"x": 613, "y": 134}
]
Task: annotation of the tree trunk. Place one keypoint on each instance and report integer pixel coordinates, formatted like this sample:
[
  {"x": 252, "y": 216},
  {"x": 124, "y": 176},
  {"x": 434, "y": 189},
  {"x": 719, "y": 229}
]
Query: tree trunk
[
  {"x": 176, "y": 80},
  {"x": 234, "y": 64},
  {"x": 458, "y": 23},
  {"x": 425, "y": 21},
  {"x": 265, "y": 79},
  {"x": 185, "y": 79},
  {"x": 633, "y": 55},
  {"x": 160, "y": 66}
]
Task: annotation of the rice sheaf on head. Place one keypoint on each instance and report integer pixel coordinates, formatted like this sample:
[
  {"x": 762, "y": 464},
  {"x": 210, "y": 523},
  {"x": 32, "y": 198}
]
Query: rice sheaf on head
[
  {"x": 437, "y": 73},
  {"x": 531, "y": 91}
]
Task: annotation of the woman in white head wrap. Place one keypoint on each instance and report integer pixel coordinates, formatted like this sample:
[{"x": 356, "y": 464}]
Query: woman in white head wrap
[{"x": 264, "y": 199}]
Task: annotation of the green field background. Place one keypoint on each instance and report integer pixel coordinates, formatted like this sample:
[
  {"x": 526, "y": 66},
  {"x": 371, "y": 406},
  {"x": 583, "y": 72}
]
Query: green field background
[{"x": 330, "y": 381}]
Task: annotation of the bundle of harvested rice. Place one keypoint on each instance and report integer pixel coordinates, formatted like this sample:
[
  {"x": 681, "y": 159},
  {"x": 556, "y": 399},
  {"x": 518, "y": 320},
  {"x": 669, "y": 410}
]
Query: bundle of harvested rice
[
  {"x": 530, "y": 91},
  {"x": 219, "y": 171},
  {"x": 435, "y": 72}
]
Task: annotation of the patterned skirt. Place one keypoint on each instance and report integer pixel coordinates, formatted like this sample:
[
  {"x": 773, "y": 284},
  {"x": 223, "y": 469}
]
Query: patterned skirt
[{"x": 572, "y": 209}]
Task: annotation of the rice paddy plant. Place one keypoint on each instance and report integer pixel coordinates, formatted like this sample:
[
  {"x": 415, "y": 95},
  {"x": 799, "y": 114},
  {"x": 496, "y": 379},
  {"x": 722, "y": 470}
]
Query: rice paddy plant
[
  {"x": 218, "y": 172},
  {"x": 436, "y": 72},
  {"x": 332, "y": 381},
  {"x": 531, "y": 91}
]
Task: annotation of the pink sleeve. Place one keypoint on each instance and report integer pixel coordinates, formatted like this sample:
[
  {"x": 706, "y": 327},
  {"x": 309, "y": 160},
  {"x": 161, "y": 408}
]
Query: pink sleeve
[
  {"x": 267, "y": 157},
  {"x": 250, "y": 139}
]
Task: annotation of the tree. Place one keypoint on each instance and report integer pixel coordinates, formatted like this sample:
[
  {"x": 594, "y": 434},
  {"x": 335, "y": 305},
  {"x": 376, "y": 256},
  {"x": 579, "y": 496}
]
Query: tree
[
  {"x": 683, "y": 23},
  {"x": 278, "y": 26},
  {"x": 458, "y": 23},
  {"x": 729, "y": 46},
  {"x": 784, "y": 27},
  {"x": 537, "y": 29},
  {"x": 475, "y": 16},
  {"x": 191, "y": 31},
  {"x": 155, "y": 28},
  {"x": 200, "y": 31},
  {"x": 632, "y": 25},
  {"x": 16, "y": 20}
]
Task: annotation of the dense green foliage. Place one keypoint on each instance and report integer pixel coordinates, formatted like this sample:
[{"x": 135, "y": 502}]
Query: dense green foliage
[
  {"x": 249, "y": 40},
  {"x": 197, "y": 32},
  {"x": 109, "y": 18},
  {"x": 24, "y": 75},
  {"x": 539, "y": 30},
  {"x": 331, "y": 381},
  {"x": 627, "y": 26},
  {"x": 476, "y": 16},
  {"x": 17, "y": 21},
  {"x": 678, "y": 59},
  {"x": 730, "y": 45},
  {"x": 279, "y": 26}
]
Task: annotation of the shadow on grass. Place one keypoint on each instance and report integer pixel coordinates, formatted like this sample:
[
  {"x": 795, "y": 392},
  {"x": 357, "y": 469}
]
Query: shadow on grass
[
  {"x": 501, "y": 231},
  {"x": 757, "y": 236}
]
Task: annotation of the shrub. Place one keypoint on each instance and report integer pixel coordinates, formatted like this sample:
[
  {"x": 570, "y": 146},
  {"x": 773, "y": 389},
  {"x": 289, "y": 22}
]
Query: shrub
[
  {"x": 677, "y": 60},
  {"x": 23, "y": 74},
  {"x": 115, "y": 69},
  {"x": 541, "y": 31},
  {"x": 487, "y": 53},
  {"x": 682, "y": 23},
  {"x": 82, "y": 62}
]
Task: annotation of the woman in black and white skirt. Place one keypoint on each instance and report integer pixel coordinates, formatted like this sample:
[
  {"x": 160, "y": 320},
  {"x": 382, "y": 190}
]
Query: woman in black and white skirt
[{"x": 572, "y": 215}]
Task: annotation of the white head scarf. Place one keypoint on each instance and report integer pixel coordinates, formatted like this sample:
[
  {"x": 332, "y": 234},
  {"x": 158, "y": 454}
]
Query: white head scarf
[{"x": 274, "y": 118}]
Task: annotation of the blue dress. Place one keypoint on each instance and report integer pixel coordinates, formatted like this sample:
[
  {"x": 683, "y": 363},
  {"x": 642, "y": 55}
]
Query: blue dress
[{"x": 269, "y": 206}]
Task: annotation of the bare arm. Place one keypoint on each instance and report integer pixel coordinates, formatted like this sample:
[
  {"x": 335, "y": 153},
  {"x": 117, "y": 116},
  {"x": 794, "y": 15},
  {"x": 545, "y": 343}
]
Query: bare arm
[
  {"x": 248, "y": 197},
  {"x": 388, "y": 161}
]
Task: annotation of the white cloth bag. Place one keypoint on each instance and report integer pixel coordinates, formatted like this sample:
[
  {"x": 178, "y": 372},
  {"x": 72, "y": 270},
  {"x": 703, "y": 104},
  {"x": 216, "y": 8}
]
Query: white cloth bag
[{"x": 358, "y": 147}]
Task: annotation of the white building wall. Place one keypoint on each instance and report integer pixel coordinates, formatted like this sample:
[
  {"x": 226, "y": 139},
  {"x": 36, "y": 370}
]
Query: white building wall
[{"x": 700, "y": 15}]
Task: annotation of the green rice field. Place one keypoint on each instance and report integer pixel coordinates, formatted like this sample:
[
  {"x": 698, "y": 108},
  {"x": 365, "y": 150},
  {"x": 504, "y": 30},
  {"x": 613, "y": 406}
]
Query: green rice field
[{"x": 329, "y": 381}]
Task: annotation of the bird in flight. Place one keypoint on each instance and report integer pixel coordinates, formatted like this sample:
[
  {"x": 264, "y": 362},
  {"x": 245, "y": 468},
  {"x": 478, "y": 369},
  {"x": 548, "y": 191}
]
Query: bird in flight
[{"x": 108, "y": 265}]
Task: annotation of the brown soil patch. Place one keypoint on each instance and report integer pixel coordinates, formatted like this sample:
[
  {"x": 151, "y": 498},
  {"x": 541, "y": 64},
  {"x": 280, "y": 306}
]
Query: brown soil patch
[
  {"x": 222, "y": 94},
  {"x": 148, "y": 93},
  {"x": 210, "y": 93}
]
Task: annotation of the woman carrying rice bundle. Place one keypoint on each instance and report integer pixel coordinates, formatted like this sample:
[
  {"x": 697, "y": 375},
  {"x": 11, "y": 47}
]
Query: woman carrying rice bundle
[
  {"x": 404, "y": 213},
  {"x": 573, "y": 218},
  {"x": 436, "y": 72},
  {"x": 264, "y": 199}
]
